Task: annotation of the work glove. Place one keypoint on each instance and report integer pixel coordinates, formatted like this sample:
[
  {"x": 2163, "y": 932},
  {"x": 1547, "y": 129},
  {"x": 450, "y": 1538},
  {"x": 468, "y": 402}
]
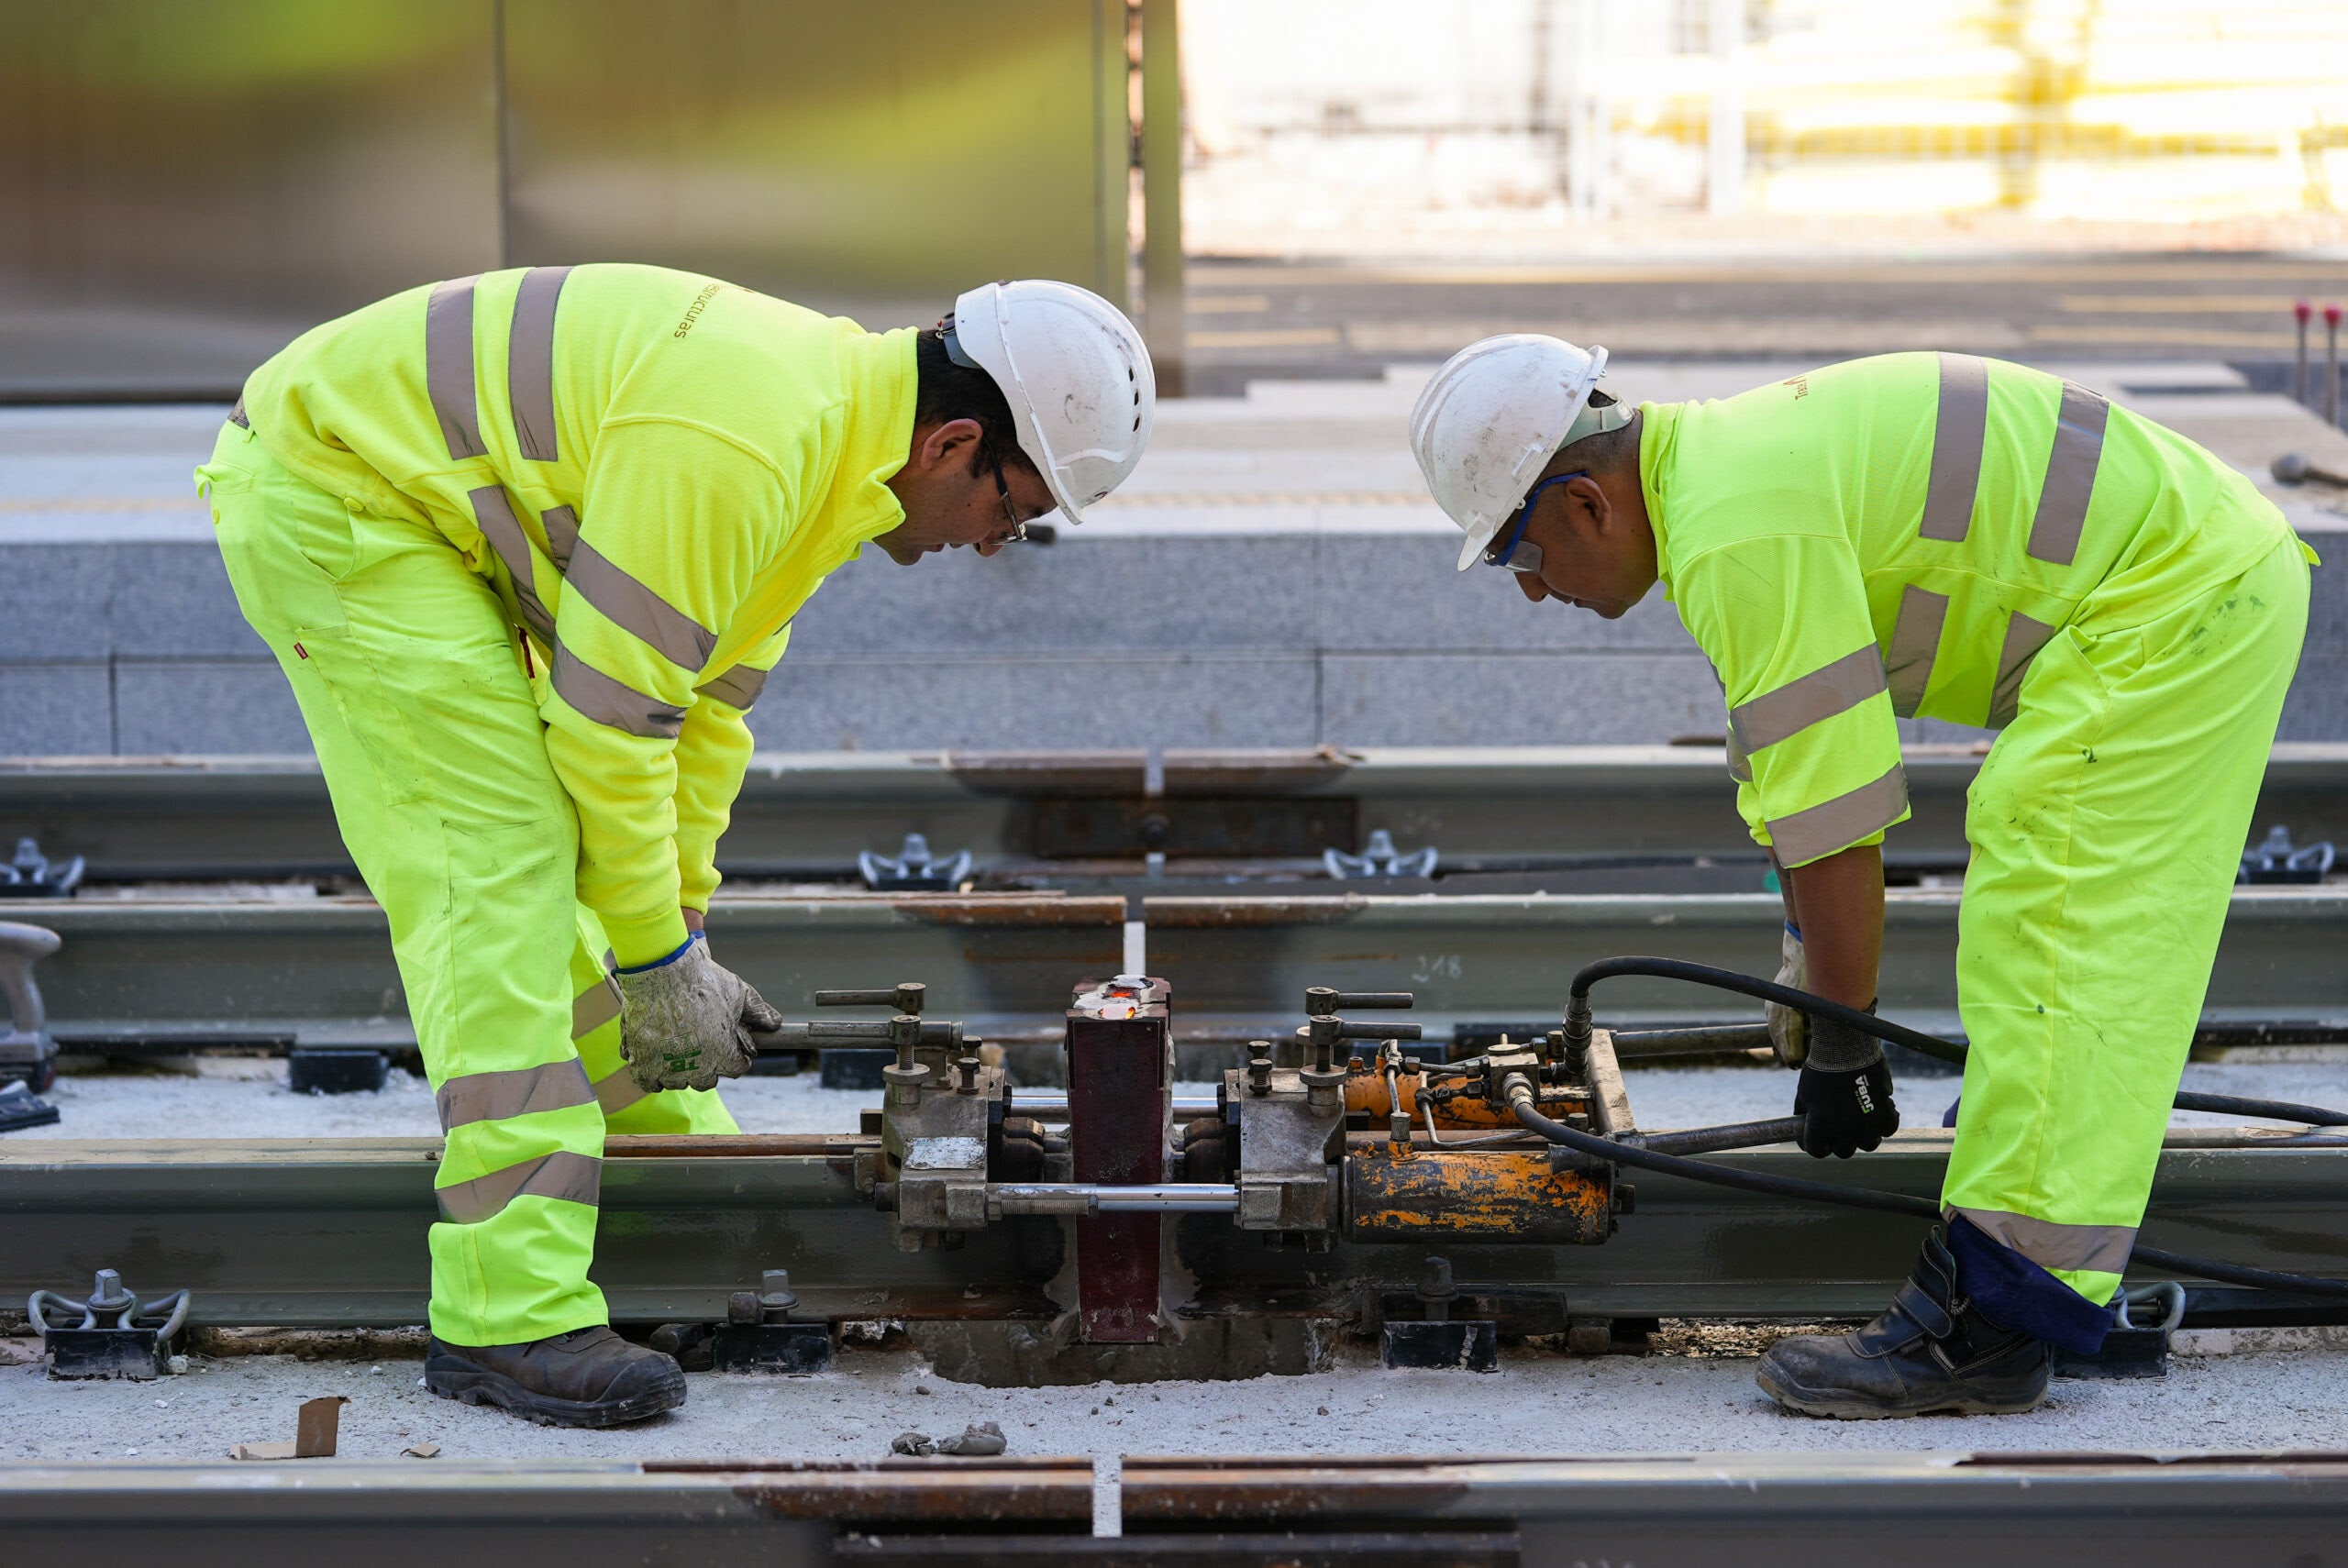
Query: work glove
[
  {"x": 1845, "y": 1095},
  {"x": 685, "y": 1022},
  {"x": 1789, "y": 1030}
]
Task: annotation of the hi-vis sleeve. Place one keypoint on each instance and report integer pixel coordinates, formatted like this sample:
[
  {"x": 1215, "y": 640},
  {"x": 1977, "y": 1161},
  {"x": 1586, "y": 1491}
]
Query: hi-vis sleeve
[
  {"x": 675, "y": 522},
  {"x": 713, "y": 753},
  {"x": 1812, "y": 735}
]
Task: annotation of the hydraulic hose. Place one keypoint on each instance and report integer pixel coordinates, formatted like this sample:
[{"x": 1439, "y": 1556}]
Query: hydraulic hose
[
  {"x": 1578, "y": 1021},
  {"x": 1577, "y": 1026}
]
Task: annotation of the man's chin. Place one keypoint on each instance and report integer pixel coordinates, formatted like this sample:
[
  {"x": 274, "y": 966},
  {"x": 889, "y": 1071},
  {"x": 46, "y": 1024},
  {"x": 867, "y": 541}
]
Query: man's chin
[{"x": 903, "y": 554}]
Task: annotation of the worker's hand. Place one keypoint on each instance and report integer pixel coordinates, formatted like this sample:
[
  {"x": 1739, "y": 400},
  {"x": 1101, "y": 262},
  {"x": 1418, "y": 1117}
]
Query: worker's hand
[
  {"x": 686, "y": 1021},
  {"x": 1844, "y": 1096},
  {"x": 1789, "y": 1030}
]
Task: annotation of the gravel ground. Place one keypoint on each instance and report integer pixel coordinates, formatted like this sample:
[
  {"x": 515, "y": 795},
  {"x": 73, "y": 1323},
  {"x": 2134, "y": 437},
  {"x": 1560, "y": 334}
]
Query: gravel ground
[
  {"x": 1538, "y": 1403},
  {"x": 248, "y": 1099}
]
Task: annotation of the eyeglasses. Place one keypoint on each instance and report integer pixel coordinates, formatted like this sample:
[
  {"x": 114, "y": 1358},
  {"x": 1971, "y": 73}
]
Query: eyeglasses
[
  {"x": 1014, "y": 531},
  {"x": 1514, "y": 553}
]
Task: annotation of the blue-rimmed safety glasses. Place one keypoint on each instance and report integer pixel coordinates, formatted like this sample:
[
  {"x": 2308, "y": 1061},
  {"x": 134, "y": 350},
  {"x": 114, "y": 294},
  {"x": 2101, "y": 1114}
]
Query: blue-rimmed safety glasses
[{"x": 1513, "y": 552}]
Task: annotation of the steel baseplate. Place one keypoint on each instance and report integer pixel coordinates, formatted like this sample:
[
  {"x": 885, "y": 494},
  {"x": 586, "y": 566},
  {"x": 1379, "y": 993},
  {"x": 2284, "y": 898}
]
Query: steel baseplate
[{"x": 1468, "y": 1345}]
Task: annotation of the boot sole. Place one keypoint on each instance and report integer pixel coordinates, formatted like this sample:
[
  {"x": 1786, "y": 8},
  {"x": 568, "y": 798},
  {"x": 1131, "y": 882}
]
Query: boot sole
[
  {"x": 478, "y": 1386},
  {"x": 1848, "y": 1409}
]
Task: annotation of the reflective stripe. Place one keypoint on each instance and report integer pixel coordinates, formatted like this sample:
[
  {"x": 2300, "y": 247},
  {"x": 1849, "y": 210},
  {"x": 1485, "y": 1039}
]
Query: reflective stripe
[
  {"x": 1841, "y": 822},
  {"x": 529, "y": 362},
  {"x": 669, "y": 632},
  {"x": 574, "y": 1178},
  {"x": 607, "y": 701},
  {"x": 494, "y": 1097},
  {"x": 2102, "y": 1249},
  {"x": 1807, "y": 700},
  {"x": 1958, "y": 433},
  {"x": 2070, "y": 476},
  {"x": 237, "y": 416},
  {"x": 1915, "y": 643},
  {"x": 737, "y": 688},
  {"x": 449, "y": 366},
  {"x": 504, "y": 532},
  {"x": 1740, "y": 767},
  {"x": 618, "y": 1092},
  {"x": 594, "y": 1007},
  {"x": 561, "y": 524},
  {"x": 2024, "y": 637}
]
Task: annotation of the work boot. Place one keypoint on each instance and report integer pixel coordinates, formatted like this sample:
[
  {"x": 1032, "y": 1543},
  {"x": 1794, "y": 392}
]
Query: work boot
[
  {"x": 1931, "y": 1350},
  {"x": 588, "y": 1377}
]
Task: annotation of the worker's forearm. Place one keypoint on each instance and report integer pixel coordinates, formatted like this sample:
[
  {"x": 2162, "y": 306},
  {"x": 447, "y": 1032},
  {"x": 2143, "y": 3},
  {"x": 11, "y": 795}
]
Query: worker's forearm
[{"x": 1838, "y": 904}]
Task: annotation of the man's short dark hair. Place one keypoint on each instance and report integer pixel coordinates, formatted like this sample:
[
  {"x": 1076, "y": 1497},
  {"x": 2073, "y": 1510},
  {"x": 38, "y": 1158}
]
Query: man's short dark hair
[{"x": 947, "y": 392}]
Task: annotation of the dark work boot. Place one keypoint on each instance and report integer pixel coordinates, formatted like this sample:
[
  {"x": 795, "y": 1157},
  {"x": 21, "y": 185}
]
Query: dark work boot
[
  {"x": 588, "y": 1377},
  {"x": 1930, "y": 1350}
]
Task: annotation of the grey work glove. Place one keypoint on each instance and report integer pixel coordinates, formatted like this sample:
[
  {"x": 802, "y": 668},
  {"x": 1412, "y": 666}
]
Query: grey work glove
[
  {"x": 685, "y": 1024},
  {"x": 1789, "y": 1030}
]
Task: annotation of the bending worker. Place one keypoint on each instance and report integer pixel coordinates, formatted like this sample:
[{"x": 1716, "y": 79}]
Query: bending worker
[
  {"x": 528, "y": 545},
  {"x": 1964, "y": 539}
]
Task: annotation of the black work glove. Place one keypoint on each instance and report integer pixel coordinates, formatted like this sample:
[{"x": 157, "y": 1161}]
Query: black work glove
[{"x": 1844, "y": 1096}]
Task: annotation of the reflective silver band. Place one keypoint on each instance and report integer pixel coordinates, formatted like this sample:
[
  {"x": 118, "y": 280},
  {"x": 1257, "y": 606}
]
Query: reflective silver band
[
  {"x": 494, "y": 1097},
  {"x": 1841, "y": 822},
  {"x": 1958, "y": 434},
  {"x": 607, "y": 701},
  {"x": 2100, "y": 1249},
  {"x": 237, "y": 416},
  {"x": 636, "y": 609},
  {"x": 2070, "y": 476},
  {"x": 449, "y": 366},
  {"x": 574, "y": 1178},
  {"x": 738, "y": 687},
  {"x": 561, "y": 524},
  {"x": 529, "y": 362},
  {"x": 618, "y": 1092},
  {"x": 1740, "y": 767},
  {"x": 2024, "y": 637},
  {"x": 504, "y": 532},
  {"x": 1807, "y": 700},
  {"x": 1915, "y": 643},
  {"x": 594, "y": 1007}
]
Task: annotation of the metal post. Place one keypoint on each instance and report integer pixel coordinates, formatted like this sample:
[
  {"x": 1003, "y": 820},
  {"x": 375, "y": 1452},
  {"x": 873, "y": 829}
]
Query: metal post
[
  {"x": 1165, "y": 318},
  {"x": 2331, "y": 365},
  {"x": 2302, "y": 312}
]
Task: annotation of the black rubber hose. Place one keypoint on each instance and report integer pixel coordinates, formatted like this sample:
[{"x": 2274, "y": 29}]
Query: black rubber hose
[
  {"x": 1886, "y": 1202},
  {"x": 1578, "y": 1014}
]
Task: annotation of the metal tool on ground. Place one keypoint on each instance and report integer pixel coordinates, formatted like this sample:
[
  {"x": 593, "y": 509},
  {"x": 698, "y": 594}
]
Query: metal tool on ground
[
  {"x": 111, "y": 1333},
  {"x": 32, "y": 875},
  {"x": 2293, "y": 469},
  {"x": 2131, "y": 1348},
  {"x": 1436, "y": 1340},
  {"x": 336, "y": 1069},
  {"x": 26, "y": 1051},
  {"x": 759, "y": 1335}
]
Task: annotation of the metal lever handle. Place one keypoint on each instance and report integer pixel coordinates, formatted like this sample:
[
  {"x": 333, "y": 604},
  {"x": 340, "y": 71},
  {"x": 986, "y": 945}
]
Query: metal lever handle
[
  {"x": 853, "y": 1032},
  {"x": 1322, "y": 1002},
  {"x": 905, "y": 998},
  {"x": 1379, "y": 1032},
  {"x": 20, "y": 947}
]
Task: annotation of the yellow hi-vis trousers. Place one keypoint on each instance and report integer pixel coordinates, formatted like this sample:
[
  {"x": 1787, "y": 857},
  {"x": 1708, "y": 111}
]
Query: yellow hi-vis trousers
[
  {"x": 411, "y": 685},
  {"x": 2108, "y": 823}
]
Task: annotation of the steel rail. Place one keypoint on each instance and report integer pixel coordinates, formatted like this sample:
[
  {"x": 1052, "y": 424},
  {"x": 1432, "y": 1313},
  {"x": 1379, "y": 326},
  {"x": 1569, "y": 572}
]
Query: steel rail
[
  {"x": 322, "y": 970},
  {"x": 261, "y": 817},
  {"x": 331, "y": 1233},
  {"x": 1762, "y": 1510}
]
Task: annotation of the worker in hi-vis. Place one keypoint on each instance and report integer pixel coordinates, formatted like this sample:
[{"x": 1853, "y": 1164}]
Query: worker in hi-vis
[
  {"x": 1945, "y": 536},
  {"x": 528, "y": 545}
]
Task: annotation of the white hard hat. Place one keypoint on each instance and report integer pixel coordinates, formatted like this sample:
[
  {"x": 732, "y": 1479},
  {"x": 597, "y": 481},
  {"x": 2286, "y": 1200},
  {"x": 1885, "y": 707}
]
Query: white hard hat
[
  {"x": 1492, "y": 419},
  {"x": 1076, "y": 374}
]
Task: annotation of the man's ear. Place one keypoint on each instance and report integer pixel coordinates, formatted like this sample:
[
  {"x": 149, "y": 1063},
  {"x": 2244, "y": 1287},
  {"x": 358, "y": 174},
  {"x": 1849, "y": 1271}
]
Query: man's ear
[{"x": 949, "y": 443}]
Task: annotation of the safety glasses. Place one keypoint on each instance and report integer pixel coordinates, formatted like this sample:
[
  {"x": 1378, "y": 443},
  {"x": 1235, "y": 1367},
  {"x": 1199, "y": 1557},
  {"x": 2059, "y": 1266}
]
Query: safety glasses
[
  {"x": 1512, "y": 552},
  {"x": 1014, "y": 531}
]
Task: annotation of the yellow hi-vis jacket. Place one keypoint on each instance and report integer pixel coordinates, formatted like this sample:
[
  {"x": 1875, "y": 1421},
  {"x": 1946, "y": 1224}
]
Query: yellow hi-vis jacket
[
  {"x": 1896, "y": 537},
  {"x": 655, "y": 470}
]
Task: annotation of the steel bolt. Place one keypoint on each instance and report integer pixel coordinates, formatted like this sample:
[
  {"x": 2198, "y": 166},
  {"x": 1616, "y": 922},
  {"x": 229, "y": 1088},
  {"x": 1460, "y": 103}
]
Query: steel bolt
[
  {"x": 776, "y": 1297},
  {"x": 1259, "y": 1066}
]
